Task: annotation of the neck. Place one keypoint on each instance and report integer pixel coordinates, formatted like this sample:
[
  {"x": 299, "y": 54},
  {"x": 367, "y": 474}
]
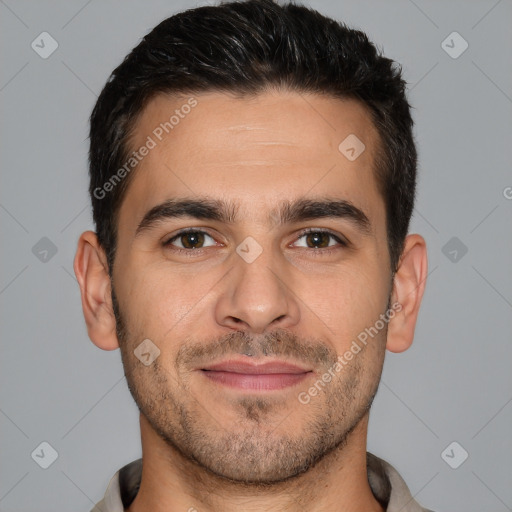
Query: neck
[{"x": 172, "y": 482}]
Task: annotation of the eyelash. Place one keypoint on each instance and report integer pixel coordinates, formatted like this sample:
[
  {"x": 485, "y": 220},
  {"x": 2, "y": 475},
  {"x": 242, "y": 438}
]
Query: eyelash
[{"x": 314, "y": 251}]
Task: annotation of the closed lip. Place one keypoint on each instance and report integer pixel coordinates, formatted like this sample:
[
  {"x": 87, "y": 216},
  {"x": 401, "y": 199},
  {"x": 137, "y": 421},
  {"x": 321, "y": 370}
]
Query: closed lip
[{"x": 255, "y": 368}]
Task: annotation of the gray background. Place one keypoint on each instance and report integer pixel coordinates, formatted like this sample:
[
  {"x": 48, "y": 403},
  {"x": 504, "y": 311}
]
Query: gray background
[{"x": 454, "y": 384}]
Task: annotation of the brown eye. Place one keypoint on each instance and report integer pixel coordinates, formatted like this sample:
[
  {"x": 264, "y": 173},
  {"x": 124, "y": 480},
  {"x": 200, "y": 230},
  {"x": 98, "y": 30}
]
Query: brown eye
[
  {"x": 320, "y": 239},
  {"x": 191, "y": 239},
  {"x": 317, "y": 239}
]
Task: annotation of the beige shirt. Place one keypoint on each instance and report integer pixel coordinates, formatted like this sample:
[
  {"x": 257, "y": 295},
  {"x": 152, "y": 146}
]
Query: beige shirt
[{"x": 386, "y": 484}]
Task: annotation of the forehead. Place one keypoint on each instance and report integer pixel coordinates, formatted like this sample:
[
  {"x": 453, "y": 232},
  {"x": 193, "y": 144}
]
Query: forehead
[{"x": 258, "y": 149}]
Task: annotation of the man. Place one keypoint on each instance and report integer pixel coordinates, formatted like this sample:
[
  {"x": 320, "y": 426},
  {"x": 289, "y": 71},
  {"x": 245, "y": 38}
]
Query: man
[{"x": 252, "y": 179}]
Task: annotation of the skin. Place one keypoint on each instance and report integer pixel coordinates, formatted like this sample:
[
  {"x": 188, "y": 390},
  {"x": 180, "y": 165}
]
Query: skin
[{"x": 223, "y": 449}]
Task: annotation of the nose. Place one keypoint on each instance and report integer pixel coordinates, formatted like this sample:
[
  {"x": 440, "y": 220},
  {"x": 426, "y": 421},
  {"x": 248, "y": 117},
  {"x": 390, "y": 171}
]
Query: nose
[{"x": 257, "y": 296}]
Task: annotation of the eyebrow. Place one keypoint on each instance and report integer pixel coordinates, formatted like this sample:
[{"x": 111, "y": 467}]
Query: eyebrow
[{"x": 288, "y": 212}]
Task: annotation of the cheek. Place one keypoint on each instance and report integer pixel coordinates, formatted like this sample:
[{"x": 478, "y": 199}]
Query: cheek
[
  {"x": 161, "y": 300},
  {"x": 346, "y": 301}
]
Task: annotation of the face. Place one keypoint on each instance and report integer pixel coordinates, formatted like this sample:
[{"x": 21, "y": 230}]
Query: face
[{"x": 284, "y": 263}]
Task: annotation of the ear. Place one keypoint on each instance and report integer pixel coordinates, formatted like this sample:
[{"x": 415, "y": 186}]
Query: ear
[
  {"x": 91, "y": 271},
  {"x": 408, "y": 288}
]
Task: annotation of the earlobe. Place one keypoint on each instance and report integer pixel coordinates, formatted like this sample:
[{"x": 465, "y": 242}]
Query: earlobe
[
  {"x": 408, "y": 289},
  {"x": 91, "y": 271}
]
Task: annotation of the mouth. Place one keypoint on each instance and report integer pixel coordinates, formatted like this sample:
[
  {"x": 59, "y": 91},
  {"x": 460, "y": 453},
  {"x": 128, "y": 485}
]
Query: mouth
[{"x": 254, "y": 376}]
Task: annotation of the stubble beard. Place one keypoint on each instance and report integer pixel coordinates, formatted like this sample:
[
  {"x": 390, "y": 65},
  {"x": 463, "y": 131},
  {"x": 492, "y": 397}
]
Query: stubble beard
[{"x": 272, "y": 441}]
